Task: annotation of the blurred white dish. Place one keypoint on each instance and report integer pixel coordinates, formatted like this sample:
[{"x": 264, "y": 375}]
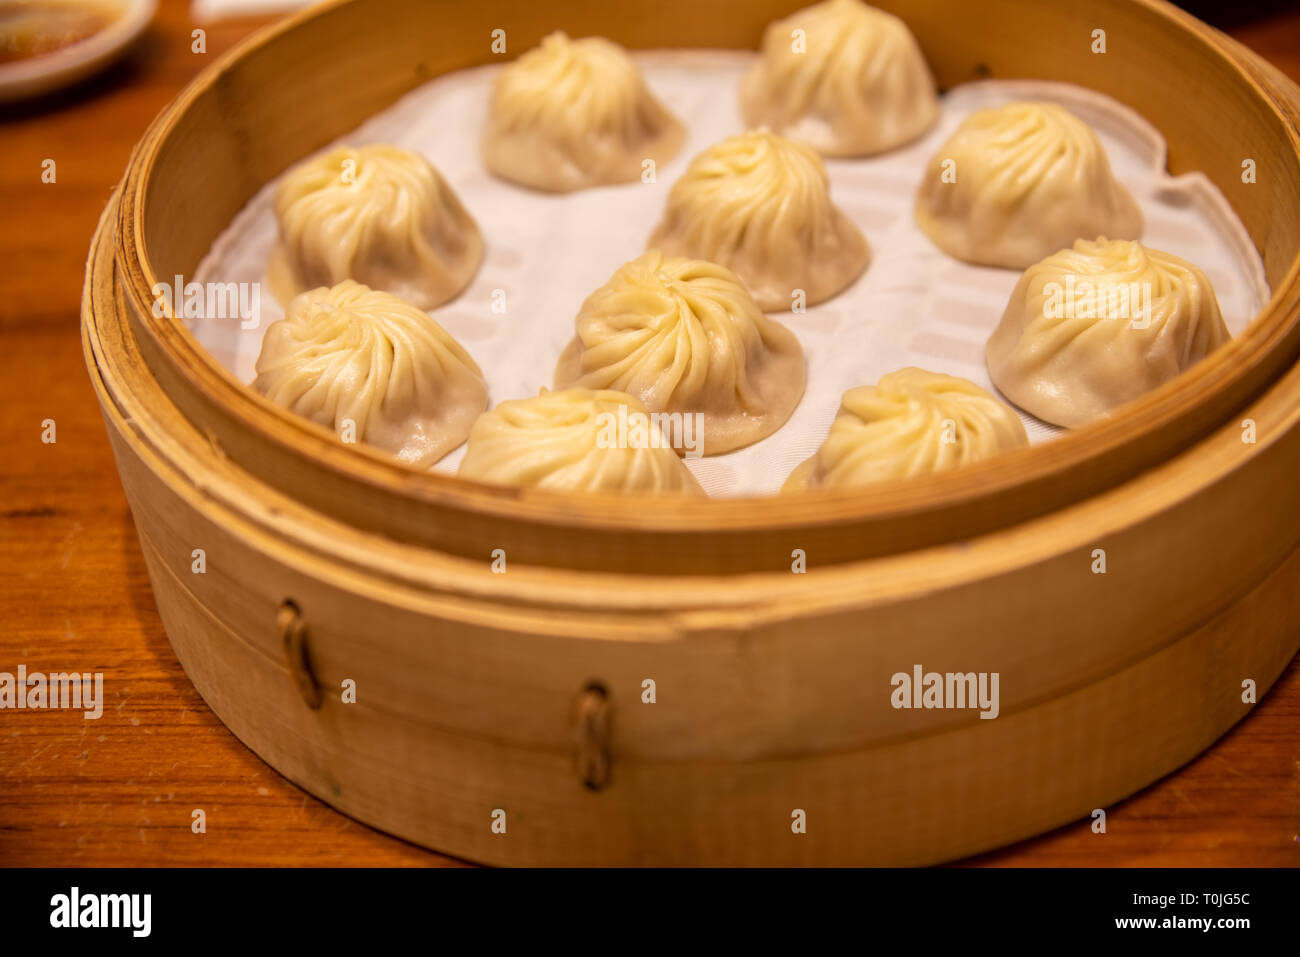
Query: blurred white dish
[
  {"x": 32, "y": 75},
  {"x": 205, "y": 11}
]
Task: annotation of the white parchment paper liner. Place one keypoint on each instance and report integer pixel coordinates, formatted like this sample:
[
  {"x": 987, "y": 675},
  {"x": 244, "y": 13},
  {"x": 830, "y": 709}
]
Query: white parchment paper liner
[{"x": 913, "y": 306}]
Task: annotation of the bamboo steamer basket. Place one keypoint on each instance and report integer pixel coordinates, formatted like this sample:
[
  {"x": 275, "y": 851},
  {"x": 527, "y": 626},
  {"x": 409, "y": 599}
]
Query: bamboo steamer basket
[{"x": 484, "y": 698}]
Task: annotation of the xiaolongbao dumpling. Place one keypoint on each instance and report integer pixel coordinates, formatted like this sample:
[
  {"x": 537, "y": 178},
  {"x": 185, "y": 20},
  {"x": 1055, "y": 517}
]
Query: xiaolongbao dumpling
[
  {"x": 911, "y": 423},
  {"x": 855, "y": 83},
  {"x": 1090, "y": 328},
  {"x": 760, "y": 205},
  {"x": 684, "y": 336},
  {"x": 1019, "y": 182},
  {"x": 353, "y": 354},
  {"x": 576, "y": 113},
  {"x": 578, "y": 440},
  {"x": 379, "y": 215}
]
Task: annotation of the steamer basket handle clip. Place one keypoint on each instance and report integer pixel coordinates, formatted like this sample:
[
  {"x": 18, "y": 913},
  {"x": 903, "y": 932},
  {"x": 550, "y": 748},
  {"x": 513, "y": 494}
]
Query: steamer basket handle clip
[
  {"x": 294, "y": 635},
  {"x": 593, "y": 714}
]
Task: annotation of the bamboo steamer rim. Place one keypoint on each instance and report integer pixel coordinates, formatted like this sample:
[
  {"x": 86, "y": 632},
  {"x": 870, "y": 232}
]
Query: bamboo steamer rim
[{"x": 1011, "y": 488}]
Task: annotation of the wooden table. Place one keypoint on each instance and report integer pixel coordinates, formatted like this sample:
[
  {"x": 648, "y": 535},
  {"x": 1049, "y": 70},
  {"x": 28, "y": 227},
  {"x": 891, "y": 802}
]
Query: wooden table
[{"x": 121, "y": 790}]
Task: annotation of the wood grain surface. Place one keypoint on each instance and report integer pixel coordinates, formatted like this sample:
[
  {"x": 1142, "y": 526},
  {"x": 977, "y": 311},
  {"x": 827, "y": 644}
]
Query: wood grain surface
[{"x": 75, "y": 596}]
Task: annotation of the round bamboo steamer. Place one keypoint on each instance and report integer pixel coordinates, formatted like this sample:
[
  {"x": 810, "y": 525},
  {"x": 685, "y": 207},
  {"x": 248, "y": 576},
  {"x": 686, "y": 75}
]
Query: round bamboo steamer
[{"x": 484, "y": 698}]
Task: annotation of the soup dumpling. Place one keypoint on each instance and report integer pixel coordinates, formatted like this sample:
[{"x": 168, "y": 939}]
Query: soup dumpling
[
  {"x": 572, "y": 441},
  {"x": 571, "y": 114},
  {"x": 685, "y": 336},
  {"x": 380, "y": 215},
  {"x": 1092, "y": 327},
  {"x": 911, "y": 423},
  {"x": 1019, "y": 182},
  {"x": 853, "y": 84},
  {"x": 349, "y": 354},
  {"x": 760, "y": 205}
]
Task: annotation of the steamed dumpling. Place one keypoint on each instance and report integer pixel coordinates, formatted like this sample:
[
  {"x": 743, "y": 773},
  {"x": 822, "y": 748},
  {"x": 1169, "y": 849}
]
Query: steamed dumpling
[
  {"x": 911, "y": 423},
  {"x": 684, "y": 335},
  {"x": 1030, "y": 179},
  {"x": 576, "y": 113},
  {"x": 1090, "y": 328},
  {"x": 353, "y": 354},
  {"x": 572, "y": 441},
  {"x": 760, "y": 205},
  {"x": 857, "y": 84},
  {"x": 378, "y": 214}
]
